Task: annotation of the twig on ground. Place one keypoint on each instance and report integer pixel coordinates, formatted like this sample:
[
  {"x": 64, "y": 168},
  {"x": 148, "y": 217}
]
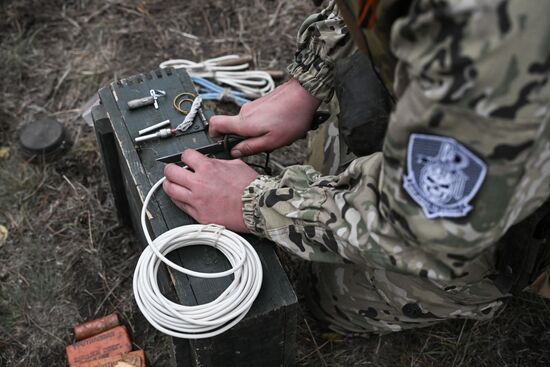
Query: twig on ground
[
  {"x": 70, "y": 184},
  {"x": 317, "y": 348},
  {"x": 44, "y": 330},
  {"x": 111, "y": 290}
]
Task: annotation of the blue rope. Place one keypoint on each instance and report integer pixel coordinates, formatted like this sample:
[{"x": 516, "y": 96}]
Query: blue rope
[{"x": 213, "y": 92}]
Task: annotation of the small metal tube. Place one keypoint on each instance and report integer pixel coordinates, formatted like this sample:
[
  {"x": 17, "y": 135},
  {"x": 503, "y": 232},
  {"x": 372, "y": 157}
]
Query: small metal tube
[
  {"x": 162, "y": 134},
  {"x": 145, "y": 137},
  {"x": 154, "y": 127},
  {"x": 140, "y": 102},
  {"x": 166, "y": 133},
  {"x": 203, "y": 117}
]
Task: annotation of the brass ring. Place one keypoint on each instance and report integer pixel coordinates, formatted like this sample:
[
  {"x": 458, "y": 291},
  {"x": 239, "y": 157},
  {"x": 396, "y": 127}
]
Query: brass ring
[
  {"x": 180, "y": 102},
  {"x": 177, "y": 105}
]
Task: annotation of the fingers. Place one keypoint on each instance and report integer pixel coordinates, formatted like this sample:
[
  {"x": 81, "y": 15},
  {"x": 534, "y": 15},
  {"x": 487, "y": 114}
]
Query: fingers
[
  {"x": 178, "y": 175},
  {"x": 180, "y": 196},
  {"x": 251, "y": 146},
  {"x": 221, "y": 125},
  {"x": 193, "y": 159},
  {"x": 176, "y": 192}
]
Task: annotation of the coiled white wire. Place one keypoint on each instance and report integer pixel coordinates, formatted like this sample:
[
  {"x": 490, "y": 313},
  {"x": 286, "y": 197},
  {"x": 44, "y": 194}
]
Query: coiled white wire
[
  {"x": 251, "y": 82},
  {"x": 209, "y": 319}
]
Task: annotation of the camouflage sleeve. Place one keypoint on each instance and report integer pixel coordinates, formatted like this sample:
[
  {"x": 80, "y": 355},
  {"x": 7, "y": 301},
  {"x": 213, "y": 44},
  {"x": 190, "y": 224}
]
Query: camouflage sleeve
[
  {"x": 322, "y": 39},
  {"x": 466, "y": 155}
]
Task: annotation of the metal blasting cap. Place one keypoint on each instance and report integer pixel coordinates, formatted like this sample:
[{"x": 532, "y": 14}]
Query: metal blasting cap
[{"x": 42, "y": 140}]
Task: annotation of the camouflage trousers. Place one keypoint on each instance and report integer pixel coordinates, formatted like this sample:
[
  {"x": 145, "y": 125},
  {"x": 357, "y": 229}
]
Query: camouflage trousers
[{"x": 354, "y": 299}]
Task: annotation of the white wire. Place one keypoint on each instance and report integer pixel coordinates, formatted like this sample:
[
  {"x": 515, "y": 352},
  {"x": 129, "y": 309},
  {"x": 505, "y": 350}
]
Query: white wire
[
  {"x": 250, "y": 82},
  {"x": 209, "y": 319}
]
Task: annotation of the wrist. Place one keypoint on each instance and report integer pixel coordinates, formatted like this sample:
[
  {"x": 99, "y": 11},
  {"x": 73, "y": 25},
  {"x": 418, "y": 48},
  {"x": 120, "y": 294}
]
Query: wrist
[{"x": 302, "y": 97}]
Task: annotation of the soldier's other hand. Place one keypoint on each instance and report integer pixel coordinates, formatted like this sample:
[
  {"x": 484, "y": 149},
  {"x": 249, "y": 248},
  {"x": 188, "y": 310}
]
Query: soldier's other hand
[
  {"x": 272, "y": 121},
  {"x": 210, "y": 193}
]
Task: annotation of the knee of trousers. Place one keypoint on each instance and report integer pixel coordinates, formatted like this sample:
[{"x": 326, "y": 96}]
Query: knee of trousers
[{"x": 353, "y": 299}]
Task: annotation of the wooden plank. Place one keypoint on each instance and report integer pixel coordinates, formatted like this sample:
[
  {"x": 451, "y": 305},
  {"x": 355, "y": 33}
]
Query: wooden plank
[
  {"x": 106, "y": 141},
  {"x": 272, "y": 344}
]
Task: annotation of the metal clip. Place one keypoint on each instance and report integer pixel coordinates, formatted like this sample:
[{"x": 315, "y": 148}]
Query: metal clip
[{"x": 155, "y": 93}]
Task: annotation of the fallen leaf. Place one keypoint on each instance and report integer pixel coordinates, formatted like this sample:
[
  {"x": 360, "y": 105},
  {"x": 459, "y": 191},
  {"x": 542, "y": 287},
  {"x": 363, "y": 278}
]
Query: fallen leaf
[
  {"x": 332, "y": 336},
  {"x": 4, "y": 152},
  {"x": 3, "y": 235}
]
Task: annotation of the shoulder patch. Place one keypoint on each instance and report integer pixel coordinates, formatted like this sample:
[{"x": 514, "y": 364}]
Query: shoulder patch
[{"x": 442, "y": 175}]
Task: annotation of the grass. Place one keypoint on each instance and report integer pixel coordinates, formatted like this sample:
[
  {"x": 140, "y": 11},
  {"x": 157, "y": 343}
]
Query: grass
[{"x": 67, "y": 259}]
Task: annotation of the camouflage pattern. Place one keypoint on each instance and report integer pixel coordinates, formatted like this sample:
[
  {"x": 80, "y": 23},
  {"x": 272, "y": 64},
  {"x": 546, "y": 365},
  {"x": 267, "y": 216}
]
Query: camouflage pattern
[
  {"x": 474, "y": 71},
  {"x": 323, "y": 38},
  {"x": 355, "y": 300},
  {"x": 327, "y": 152}
]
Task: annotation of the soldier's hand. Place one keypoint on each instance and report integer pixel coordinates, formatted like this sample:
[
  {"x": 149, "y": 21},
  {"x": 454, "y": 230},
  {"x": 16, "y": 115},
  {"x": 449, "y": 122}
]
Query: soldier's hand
[
  {"x": 275, "y": 120},
  {"x": 211, "y": 193}
]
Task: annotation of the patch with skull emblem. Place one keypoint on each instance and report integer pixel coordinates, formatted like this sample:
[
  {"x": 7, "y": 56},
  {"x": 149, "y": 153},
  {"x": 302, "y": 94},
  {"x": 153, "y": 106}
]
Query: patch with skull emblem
[{"x": 442, "y": 175}]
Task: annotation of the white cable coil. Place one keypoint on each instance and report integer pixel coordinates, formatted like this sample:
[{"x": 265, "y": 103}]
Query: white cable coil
[
  {"x": 251, "y": 82},
  {"x": 209, "y": 319}
]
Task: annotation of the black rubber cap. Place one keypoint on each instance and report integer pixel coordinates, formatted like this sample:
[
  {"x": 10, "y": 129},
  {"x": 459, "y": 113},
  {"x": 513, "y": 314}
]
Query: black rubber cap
[{"x": 42, "y": 138}]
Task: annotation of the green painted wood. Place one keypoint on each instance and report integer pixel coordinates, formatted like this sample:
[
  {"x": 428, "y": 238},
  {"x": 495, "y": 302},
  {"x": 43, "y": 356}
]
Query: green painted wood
[
  {"x": 106, "y": 142},
  {"x": 272, "y": 320}
]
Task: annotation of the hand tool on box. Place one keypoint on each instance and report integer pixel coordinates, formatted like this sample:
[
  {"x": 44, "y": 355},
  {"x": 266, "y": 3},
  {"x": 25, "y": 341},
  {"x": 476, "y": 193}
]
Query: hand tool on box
[
  {"x": 229, "y": 141},
  {"x": 224, "y": 145}
]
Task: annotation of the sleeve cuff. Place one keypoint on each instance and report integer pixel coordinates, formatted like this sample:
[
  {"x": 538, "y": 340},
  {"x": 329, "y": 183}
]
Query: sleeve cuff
[
  {"x": 251, "y": 197},
  {"x": 313, "y": 73}
]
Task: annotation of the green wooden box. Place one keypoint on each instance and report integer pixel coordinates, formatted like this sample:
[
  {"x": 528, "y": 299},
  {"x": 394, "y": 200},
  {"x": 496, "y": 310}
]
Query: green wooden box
[{"x": 267, "y": 335}]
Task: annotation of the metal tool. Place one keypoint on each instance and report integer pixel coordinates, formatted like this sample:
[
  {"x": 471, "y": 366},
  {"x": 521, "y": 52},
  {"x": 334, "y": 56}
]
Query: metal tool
[
  {"x": 224, "y": 145},
  {"x": 152, "y": 99},
  {"x": 203, "y": 117}
]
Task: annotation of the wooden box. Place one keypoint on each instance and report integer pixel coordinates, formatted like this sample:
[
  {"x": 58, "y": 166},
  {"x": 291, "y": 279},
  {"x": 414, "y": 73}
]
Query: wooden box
[{"x": 267, "y": 335}]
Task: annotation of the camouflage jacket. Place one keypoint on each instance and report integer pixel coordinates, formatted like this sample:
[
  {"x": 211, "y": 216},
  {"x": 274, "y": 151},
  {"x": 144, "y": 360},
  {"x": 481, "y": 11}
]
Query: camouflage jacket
[{"x": 473, "y": 110}]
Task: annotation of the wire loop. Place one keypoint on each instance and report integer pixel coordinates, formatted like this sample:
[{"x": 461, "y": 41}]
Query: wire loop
[
  {"x": 205, "y": 320},
  {"x": 242, "y": 84}
]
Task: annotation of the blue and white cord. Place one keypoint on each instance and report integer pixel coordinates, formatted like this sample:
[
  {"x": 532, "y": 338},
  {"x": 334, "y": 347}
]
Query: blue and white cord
[{"x": 241, "y": 85}]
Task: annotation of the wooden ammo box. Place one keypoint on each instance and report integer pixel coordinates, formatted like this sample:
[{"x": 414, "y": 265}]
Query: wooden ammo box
[{"x": 267, "y": 335}]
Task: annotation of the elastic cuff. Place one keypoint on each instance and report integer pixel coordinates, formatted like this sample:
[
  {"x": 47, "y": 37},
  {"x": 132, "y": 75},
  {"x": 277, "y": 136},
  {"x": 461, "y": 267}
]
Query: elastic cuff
[
  {"x": 251, "y": 196},
  {"x": 313, "y": 73}
]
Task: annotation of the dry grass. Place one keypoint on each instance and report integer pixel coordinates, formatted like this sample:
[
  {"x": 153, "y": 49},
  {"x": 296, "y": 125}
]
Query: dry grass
[{"x": 67, "y": 259}]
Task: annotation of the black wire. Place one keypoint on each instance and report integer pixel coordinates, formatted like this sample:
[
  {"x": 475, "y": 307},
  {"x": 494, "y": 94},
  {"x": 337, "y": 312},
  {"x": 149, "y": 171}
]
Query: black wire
[{"x": 265, "y": 167}]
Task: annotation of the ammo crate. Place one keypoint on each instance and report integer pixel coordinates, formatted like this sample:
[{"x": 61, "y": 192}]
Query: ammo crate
[{"x": 267, "y": 335}]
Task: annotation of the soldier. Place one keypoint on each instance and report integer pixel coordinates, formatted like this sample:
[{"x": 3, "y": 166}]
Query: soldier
[{"x": 427, "y": 228}]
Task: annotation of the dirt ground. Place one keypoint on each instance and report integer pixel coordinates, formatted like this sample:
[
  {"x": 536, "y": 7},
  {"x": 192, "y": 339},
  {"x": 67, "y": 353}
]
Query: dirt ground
[{"x": 66, "y": 259}]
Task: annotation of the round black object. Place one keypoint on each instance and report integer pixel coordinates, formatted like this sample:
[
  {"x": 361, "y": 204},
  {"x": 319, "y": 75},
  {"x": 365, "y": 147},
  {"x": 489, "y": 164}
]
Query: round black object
[{"x": 42, "y": 140}]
